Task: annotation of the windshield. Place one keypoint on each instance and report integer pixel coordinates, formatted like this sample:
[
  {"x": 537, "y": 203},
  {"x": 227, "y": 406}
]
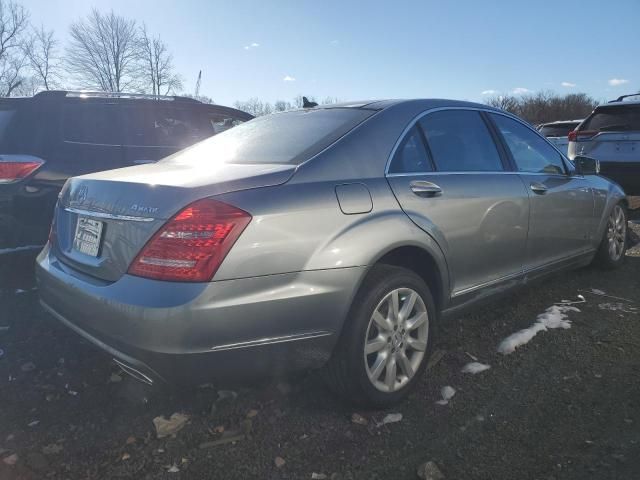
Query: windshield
[
  {"x": 283, "y": 138},
  {"x": 618, "y": 118}
]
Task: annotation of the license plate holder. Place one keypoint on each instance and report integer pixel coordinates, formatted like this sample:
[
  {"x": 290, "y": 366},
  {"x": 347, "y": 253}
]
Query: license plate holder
[{"x": 88, "y": 236}]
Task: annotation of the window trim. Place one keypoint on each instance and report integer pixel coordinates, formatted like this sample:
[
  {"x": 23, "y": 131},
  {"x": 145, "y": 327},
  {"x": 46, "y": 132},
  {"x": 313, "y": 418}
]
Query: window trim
[{"x": 499, "y": 145}]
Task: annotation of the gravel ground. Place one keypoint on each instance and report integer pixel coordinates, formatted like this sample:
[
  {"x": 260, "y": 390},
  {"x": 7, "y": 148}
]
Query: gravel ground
[{"x": 564, "y": 406}]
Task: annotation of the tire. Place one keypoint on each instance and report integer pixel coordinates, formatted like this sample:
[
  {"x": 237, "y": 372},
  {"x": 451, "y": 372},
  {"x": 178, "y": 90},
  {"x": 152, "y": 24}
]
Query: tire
[
  {"x": 611, "y": 253},
  {"x": 364, "y": 379}
]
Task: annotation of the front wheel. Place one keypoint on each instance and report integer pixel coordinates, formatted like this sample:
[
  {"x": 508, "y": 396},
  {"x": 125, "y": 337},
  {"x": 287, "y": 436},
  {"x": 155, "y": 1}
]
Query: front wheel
[
  {"x": 386, "y": 341},
  {"x": 614, "y": 243}
]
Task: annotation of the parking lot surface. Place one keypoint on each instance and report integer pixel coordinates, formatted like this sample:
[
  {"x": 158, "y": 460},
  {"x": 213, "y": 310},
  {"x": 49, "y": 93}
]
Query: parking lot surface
[{"x": 563, "y": 406}]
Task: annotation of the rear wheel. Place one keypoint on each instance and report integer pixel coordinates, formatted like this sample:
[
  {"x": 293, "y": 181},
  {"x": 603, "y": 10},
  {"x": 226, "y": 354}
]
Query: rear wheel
[
  {"x": 386, "y": 341},
  {"x": 614, "y": 243}
]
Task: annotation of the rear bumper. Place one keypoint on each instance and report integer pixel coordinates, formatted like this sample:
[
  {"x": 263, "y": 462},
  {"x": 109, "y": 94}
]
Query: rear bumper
[{"x": 226, "y": 330}]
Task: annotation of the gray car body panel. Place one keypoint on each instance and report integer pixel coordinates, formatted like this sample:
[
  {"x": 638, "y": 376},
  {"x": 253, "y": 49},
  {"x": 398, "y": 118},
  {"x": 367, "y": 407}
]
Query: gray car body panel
[{"x": 287, "y": 285}]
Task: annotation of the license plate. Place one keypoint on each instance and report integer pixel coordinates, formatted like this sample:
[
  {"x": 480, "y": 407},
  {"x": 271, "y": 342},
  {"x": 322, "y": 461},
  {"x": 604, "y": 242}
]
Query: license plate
[{"x": 88, "y": 236}]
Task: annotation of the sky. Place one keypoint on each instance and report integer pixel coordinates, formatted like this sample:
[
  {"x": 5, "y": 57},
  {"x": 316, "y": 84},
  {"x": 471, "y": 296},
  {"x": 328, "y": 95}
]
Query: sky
[{"x": 356, "y": 50}]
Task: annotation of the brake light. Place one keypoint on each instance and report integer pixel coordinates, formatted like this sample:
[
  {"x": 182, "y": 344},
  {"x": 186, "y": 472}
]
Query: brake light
[
  {"x": 191, "y": 246},
  {"x": 575, "y": 135},
  {"x": 12, "y": 171}
]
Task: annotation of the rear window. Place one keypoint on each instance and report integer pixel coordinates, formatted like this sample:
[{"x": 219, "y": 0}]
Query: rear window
[
  {"x": 558, "y": 129},
  {"x": 614, "y": 119},
  {"x": 281, "y": 138}
]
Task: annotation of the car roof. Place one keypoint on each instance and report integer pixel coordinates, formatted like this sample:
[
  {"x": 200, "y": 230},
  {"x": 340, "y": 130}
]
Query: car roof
[
  {"x": 426, "y": 103},
  {"x": 124, "y": 98}
]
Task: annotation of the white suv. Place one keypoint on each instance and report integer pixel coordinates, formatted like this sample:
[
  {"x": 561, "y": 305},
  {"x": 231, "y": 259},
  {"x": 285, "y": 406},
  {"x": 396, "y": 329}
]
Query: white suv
[
  {"x": 611, "y": 134},
  {"x": 556, "y": 132}
]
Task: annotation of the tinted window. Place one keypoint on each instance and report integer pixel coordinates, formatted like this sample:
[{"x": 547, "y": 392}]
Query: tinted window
[
  {"x": 530, "y": 152},
  {"x": 281, "y": 138},
  {"x": 221, "y": 123},
  {"x": 460, "y": 141},
  {"x": 94, "y": 124},
  {"x": 411, "y": 156},
  {"x": 160, "y": 125},
  {"x": 558, "y": 129},
  {"x": 5, "y": 119},
  {"x": 619, "y": 118}
]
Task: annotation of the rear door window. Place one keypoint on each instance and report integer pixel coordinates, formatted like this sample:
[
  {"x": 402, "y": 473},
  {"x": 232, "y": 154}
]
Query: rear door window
[
  {"x": 95, "y": 124},
  {"x": 530, "y": 152},
  {"x": 459, "y": 141},
  {"x": 411, "y": 155},
  {"x": 620, "y": 118}
]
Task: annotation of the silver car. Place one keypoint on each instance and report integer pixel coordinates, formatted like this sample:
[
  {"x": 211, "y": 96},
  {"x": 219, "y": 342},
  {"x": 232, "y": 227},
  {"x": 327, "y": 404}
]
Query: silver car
[
  {"x": 334, "y": 237},
  {"x": 611, "y": 134}
]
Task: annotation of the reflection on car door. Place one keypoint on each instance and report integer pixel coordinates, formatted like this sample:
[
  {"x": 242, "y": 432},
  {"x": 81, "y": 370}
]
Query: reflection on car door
[
  {"x": 449, "y": 177},
  {"x": 561, "y": 204}
]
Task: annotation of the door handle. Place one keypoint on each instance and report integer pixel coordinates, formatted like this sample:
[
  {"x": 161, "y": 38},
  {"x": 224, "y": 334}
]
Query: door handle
[
  {"x": 425, "y": 189},
  {"x": 538, "y": 188}
]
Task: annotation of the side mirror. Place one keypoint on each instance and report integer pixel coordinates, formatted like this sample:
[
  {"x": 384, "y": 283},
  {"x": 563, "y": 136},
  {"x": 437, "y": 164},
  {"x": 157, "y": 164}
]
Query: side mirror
[{"x": 586, "y": 165}]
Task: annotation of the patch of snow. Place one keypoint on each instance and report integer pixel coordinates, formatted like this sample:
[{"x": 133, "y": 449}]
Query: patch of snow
[
  {"x": 618, "y": 307},
  {"x": 475, "y": 367},
  {"x": 447, "y": 394},
  {"x": 597, "y": 291},
  {"x": 392, "y": 418},
  {"x": 554, "y": 317}
]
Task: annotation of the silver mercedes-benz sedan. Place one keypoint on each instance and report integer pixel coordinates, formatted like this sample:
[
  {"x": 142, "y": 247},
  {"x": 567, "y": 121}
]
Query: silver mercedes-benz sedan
[{"x": 334, "y": 237}]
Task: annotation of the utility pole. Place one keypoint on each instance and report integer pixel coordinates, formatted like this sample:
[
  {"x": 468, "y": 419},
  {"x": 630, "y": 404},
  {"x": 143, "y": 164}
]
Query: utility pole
[{"x": 197, "y": 92}]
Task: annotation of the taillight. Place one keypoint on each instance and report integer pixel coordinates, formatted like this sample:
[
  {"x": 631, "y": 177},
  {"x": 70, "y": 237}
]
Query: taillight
[
  {"x": 576, "y": 135},
  {"x": 191, "y": 246},
  {"x": 12, "y": 171}
]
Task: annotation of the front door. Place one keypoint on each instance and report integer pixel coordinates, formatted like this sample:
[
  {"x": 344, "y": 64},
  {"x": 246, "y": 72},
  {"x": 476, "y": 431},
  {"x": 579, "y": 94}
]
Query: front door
[{"x": 561, "y": 204}]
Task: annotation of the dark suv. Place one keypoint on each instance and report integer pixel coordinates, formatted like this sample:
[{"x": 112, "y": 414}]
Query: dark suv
[{"x": 47, "y": 138}]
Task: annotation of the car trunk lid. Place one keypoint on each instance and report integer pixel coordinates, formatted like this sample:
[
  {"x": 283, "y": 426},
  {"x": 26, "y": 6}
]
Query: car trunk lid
[{"x": 124, "y": 208}]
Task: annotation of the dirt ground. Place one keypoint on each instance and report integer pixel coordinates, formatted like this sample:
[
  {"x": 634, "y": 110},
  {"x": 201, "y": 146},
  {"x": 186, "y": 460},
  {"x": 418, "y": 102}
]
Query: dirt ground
[{"x": 564, "y": 406}]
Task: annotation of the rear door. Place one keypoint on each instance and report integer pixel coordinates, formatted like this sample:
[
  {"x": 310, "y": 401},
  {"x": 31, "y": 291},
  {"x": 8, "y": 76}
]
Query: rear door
[
  {"x": 91, "y": 137},
  {"x": 561, "y": 204},
  {"x": 612, "y": 135},
  {"x": 450, "y": 178}
]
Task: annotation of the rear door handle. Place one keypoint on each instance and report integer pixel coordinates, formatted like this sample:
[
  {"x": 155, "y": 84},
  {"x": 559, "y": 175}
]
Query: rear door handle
[
  {"x": 538, "y": 188},
  {"x": 425, "y": 189}
]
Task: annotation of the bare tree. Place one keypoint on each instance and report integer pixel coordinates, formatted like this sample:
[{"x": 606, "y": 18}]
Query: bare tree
[
  {"x": 156, "y": 65},
  {"x": 508, "y": 103},
  {"x": 547, "y": 106},
  {"x": 103, "y": 52},
  {"x": 42, "y": 55},
  {"x": 14, "y": 21}
]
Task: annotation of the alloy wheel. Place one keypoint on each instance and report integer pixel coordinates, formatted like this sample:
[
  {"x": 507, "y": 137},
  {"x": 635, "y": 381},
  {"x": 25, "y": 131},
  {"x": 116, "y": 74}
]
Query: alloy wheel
[
  {"x": 616, "y": 233},
  {"x": 396, "y": 339}
]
